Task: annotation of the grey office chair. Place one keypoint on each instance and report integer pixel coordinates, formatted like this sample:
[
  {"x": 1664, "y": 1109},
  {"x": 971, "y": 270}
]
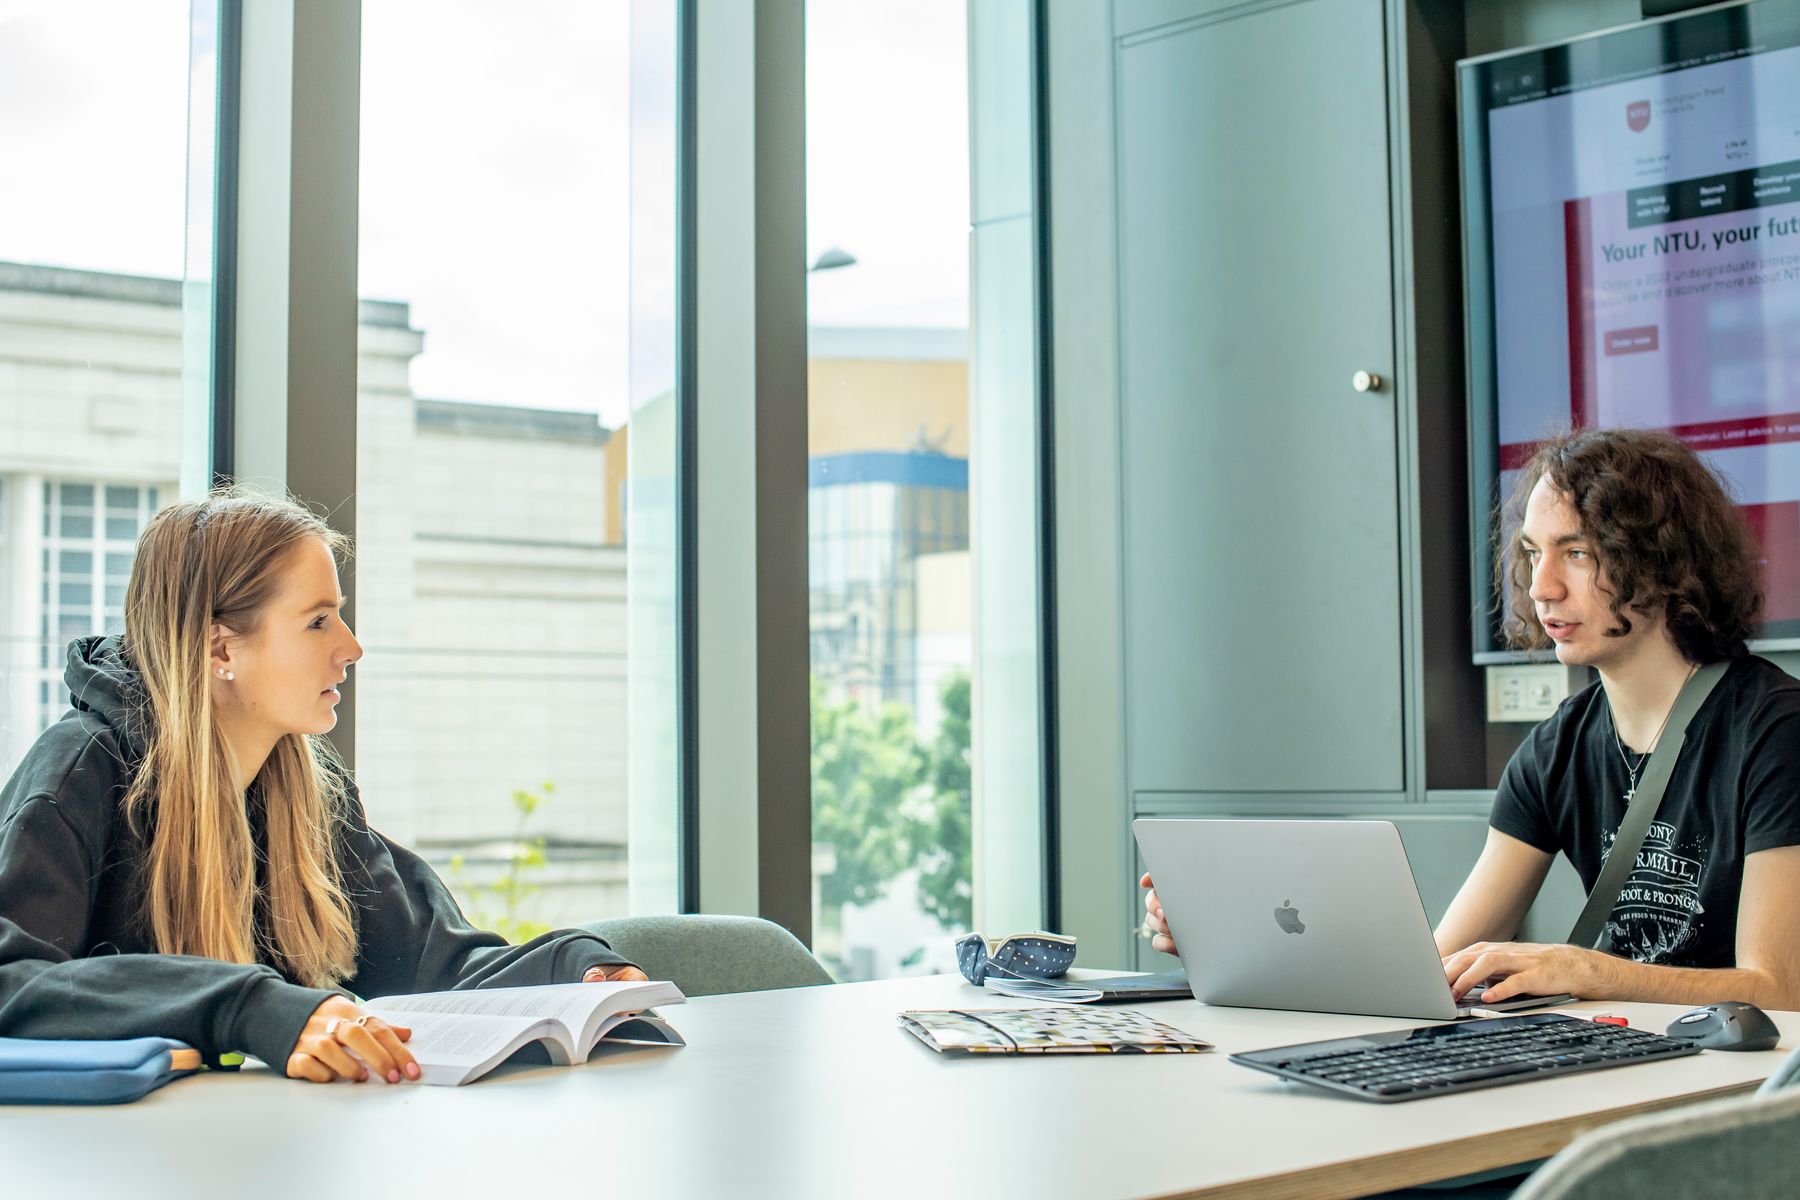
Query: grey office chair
[
  {"x": 706, "y": 955},
  {"x": 1746, "y": 1148},
  {"x": 1784, "y": 1077}
]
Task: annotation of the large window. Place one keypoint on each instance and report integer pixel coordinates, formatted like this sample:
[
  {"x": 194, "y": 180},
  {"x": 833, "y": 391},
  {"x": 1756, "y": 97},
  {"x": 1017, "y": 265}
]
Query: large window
[
  {"x": 501, "y": 480},
  {"x": 97, "y": 134},
  {"x": 888, "y": 219},
  {"x": 924, "y": 480}
]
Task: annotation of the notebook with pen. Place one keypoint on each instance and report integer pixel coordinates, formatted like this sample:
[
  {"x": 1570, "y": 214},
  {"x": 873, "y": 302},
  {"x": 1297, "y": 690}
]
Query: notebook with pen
[{"x": 34, "y": 1071}]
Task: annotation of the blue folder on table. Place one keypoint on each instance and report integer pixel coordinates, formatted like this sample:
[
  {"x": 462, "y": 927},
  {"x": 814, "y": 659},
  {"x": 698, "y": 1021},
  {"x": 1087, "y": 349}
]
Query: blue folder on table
[{"x": 75, "y": 1072}]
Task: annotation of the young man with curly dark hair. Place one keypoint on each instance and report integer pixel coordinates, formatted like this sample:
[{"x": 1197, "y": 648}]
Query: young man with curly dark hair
[{"x": 1625, "y": 554}]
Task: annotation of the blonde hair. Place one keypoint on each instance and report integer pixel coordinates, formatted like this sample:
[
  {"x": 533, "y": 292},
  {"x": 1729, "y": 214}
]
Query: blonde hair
[{"x": 202, "y": 562}]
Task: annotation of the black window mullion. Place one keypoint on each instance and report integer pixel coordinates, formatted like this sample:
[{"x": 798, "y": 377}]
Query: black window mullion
[{"x": 227, "y": 99}]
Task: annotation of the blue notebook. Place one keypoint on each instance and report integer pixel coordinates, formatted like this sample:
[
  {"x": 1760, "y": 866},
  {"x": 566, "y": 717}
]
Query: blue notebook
[{"x": 112, "y": 1072}]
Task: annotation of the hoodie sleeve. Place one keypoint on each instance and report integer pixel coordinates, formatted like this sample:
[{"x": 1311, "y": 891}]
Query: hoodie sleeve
[
  {"x": 47, "y": 874},
  {"x": 413, "y": 937}
]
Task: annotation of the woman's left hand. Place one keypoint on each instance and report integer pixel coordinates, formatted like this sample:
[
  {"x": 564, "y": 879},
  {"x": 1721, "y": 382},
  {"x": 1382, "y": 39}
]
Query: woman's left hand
[{"x": 617, "y": 973}]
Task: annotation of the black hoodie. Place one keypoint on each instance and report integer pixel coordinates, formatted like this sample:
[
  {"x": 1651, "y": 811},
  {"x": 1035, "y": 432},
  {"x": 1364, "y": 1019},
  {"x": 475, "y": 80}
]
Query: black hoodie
[{"x": 76, "y": 960}]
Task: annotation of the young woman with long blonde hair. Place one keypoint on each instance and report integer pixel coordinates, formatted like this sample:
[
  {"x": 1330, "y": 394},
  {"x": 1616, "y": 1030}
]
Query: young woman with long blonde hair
[{"x": 181, "y": 855}]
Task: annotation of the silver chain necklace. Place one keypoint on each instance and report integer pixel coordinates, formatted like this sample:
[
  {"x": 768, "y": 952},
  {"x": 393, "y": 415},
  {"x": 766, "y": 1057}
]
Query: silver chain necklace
[{"x": 1631, "y": 772}]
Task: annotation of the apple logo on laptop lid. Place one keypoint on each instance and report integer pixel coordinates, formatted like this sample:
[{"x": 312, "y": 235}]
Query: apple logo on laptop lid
[{"x": 1288, "y": 918}]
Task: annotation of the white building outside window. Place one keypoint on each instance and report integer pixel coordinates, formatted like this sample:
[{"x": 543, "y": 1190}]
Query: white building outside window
[{"x": 90, "y": 532}]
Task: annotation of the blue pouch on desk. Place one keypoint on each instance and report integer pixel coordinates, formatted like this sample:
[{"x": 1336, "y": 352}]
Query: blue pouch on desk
[
  {"x": 1036, "y": 955},
  {"x": 73, "y": 1072}
]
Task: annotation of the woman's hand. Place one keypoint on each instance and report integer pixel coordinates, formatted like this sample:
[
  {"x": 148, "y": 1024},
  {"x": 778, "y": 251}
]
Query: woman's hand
[
  {"x": 338, "y": 1034},
  {"x": 617, "y": 973},
  {"x": 1154, "y": 921}
]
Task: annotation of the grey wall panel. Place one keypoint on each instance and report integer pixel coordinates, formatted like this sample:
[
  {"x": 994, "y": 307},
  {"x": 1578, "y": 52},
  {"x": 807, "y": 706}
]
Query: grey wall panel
[
  {"x": 1261, "y": 552},
  {"x": 1084, "y": 369},
  {"x": 1135, "y": 16}
]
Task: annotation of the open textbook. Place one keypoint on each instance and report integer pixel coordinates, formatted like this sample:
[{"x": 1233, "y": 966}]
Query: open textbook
[{"x": 460, "y": 1036}]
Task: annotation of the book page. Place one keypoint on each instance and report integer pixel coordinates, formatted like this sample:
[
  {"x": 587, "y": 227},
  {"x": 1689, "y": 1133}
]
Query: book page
[
  {"x": 455, "y": 1047},
  {"x": 562, "y": 1003},
  {"x": 571, "y": 1005}
]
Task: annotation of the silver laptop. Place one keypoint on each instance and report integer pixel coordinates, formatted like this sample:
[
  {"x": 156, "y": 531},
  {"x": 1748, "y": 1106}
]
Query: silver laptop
[{"x": 1317, "y": 915}]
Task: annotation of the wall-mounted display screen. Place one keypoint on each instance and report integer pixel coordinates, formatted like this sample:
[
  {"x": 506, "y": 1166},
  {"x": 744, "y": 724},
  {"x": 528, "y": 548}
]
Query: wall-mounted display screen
[{"x": 1631, "y": 208}]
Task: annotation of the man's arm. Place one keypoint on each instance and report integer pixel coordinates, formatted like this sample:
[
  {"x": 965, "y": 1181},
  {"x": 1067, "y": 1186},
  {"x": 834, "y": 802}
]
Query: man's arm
[
  {"x": 1768, "y": 955},
  {"x": 1768, "y": 947},
  {"x": 1492, "y": 901}
]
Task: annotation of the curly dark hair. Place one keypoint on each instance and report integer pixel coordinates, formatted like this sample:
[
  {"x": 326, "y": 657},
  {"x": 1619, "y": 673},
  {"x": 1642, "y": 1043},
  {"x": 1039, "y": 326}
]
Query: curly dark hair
[{"x": 1666, "y": 535}]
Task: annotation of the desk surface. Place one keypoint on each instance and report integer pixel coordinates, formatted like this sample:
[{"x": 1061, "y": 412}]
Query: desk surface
[{"x": 817, "y": 1092}]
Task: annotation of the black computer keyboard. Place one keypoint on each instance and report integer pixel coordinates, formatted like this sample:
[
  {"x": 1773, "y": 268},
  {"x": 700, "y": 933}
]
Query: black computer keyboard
[{"x": 1437, "y": 1060}]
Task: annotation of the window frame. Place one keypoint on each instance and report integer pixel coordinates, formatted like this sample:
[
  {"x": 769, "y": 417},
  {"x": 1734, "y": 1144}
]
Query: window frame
[{"x": 285, "y": 295}]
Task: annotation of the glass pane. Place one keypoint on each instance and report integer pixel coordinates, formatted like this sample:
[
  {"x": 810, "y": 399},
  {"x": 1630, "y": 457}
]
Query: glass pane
[
  {"x": 888, "y": 219},
  {"x": 495, "y": 234},
  {"x": 647, "y": 495},
  {"x": 94, "y": 149}
]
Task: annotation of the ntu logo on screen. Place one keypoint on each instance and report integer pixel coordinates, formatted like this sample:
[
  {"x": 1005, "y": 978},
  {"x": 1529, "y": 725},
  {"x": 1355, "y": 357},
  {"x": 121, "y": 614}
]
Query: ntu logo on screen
[{"x": 1637, "y": 115}]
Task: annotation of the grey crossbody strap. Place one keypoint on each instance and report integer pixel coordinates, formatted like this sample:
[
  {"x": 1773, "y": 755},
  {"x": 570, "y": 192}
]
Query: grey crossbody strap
[{"x": 1644, "y": 803}]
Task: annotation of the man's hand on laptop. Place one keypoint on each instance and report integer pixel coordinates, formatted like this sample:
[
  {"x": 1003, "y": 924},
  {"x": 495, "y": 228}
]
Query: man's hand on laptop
[
  {"x": 1529, "y": 969},
  {"x": 1154, "y": 921}
]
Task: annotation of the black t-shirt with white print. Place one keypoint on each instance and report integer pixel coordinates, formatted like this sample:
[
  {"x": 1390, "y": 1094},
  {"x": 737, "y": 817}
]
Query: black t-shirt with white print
[{"x": 1735, "y": 790}]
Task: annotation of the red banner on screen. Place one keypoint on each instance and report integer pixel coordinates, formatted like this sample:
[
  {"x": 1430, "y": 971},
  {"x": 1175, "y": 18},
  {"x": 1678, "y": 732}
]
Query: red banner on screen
[
  {"x": 1703, "y": 436},
  {"x": 1777, "y": 528},
  {"x": 1578, "y": 246}
]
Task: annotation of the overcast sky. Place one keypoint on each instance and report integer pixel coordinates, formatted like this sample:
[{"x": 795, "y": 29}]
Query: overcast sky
[{"x": 495, "y": 199}]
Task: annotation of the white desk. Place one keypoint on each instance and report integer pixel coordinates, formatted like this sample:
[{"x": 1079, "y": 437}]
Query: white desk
[{"x": 816, "y": 1092}]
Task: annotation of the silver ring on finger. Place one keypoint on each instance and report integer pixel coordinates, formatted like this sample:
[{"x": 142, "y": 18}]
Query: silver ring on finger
[
  {"x": 332, "y": 1026},
  {"x": 362, "y": 1022}
]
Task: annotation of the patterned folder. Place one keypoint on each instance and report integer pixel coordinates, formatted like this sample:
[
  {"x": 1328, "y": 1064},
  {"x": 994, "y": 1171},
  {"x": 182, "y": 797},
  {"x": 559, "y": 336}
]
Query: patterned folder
[{"x": 1061, "y": 1029}]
